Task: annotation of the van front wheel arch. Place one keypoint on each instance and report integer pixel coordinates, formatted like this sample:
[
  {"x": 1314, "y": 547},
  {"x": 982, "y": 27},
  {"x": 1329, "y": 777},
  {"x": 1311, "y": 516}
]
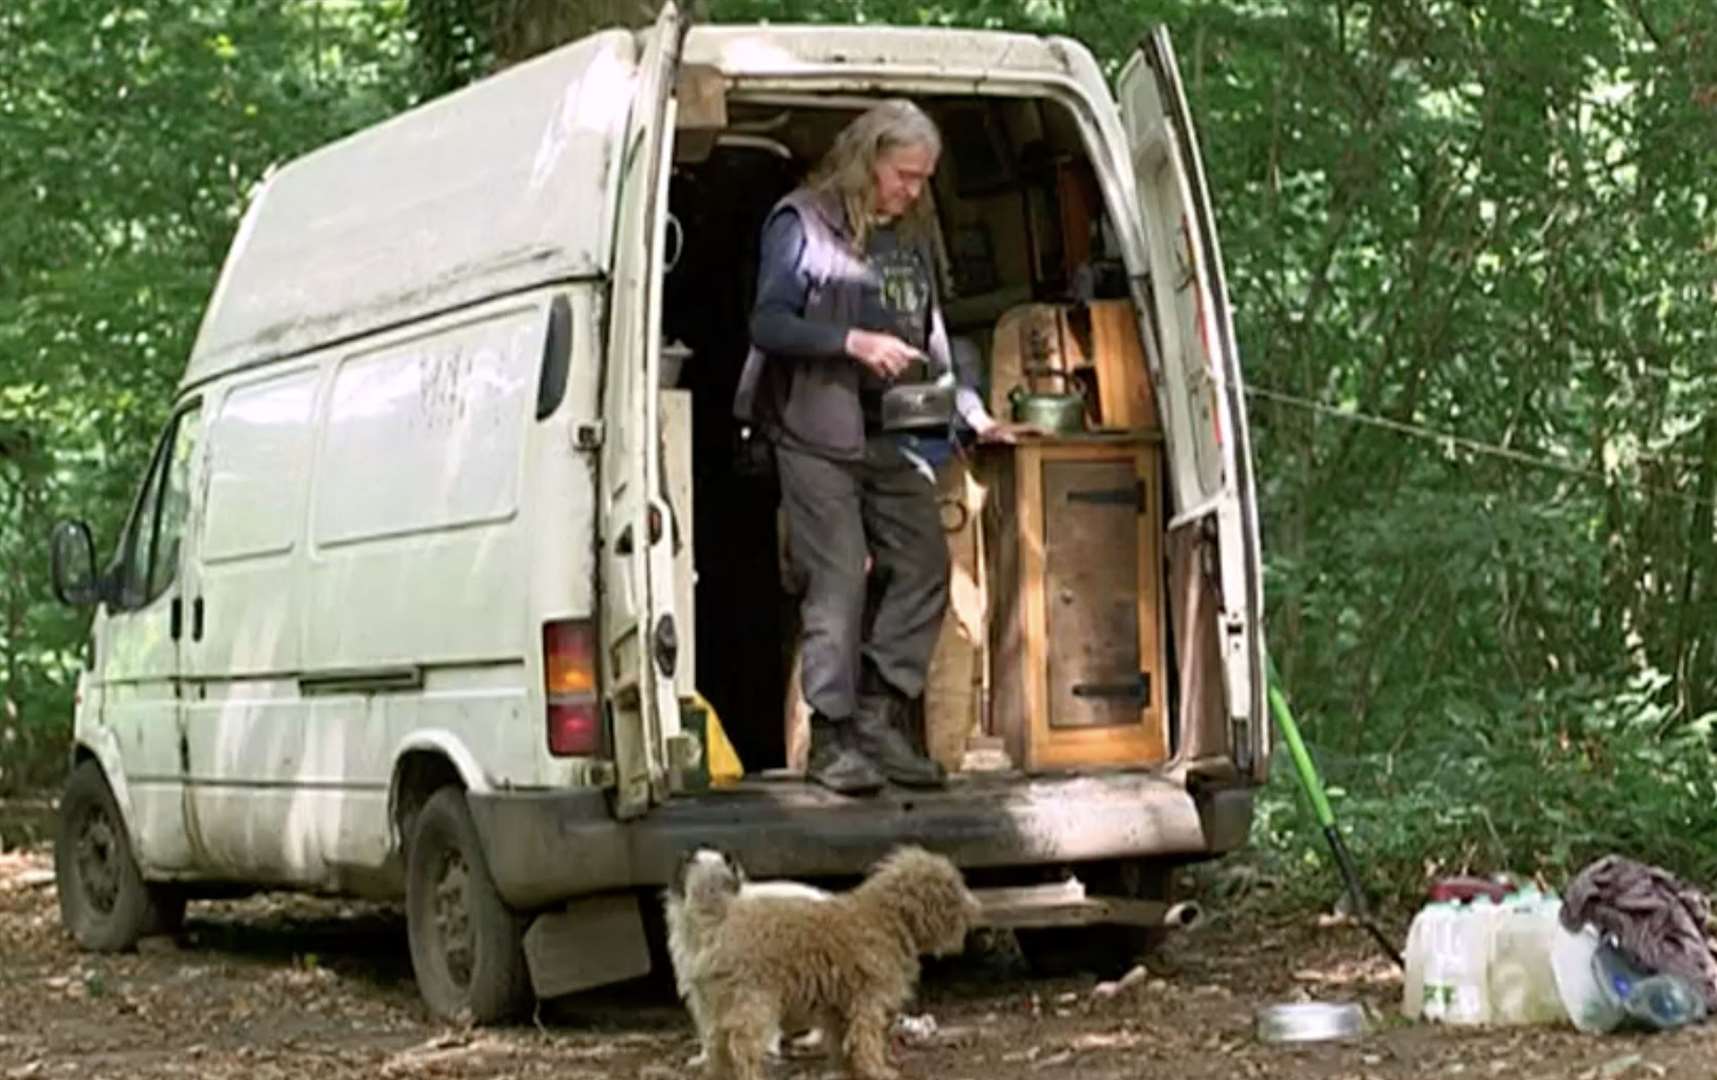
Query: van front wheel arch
[
  {"x": 466, "y": 944},
  {"x": 104, "y": 901}
]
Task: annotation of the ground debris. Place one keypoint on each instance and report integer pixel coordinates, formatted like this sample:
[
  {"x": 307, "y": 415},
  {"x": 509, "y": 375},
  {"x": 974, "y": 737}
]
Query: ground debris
[
  {"x": 276, "y": 987},
  {"x": 1137, "y": 976}
]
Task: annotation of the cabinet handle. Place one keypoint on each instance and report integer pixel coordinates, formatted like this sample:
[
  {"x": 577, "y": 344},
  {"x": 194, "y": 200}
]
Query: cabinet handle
[
  {"x": 1137, "y": 690},
  {"x": 1133, "y": 496}
]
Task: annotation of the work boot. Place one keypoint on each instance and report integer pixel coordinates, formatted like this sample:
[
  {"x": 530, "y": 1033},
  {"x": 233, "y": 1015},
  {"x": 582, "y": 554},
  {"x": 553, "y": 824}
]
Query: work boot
[
  {"x": 875, "y": 734},
  {"x": 836, "y": 763}
]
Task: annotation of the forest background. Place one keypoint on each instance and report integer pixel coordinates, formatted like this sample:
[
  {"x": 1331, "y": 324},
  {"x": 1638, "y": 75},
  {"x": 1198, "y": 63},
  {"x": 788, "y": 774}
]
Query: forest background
[{"x": 1470, "y": 246}]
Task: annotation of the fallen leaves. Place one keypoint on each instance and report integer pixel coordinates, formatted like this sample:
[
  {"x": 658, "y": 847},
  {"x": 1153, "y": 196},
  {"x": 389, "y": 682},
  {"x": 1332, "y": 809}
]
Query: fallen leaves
[
  {"x": 275, "y": 988},
  {"x": 444, "y": 1049}
]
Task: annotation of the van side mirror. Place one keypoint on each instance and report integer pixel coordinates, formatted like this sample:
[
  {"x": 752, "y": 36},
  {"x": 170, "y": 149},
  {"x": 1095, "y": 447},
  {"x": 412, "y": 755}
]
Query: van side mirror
[{"x": 75, "y": 580}]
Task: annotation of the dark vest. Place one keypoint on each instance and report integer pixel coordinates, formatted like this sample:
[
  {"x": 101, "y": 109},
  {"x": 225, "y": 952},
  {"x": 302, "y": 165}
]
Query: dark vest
[{"x": 812, "y": 403}]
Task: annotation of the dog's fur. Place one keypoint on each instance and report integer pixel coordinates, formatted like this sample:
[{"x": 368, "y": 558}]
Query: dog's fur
[
  {"x": 849, "y": 960},
  {"x": 706, "y": 882}
]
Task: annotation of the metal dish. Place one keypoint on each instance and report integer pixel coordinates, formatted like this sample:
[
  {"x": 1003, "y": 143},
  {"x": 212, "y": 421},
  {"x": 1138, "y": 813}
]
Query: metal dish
[{"x": 1310, "y": 1021}]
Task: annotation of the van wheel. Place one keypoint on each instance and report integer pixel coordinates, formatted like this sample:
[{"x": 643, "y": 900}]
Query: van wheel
[
  {"x": 1105, "y": 950},
  {"x": 104, "y": 901},
  {"x": 466, "y": 944}
]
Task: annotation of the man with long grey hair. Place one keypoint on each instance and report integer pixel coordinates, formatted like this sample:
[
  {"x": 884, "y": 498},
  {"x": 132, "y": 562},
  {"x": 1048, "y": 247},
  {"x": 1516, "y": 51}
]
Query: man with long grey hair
[{"x": 847, "y": 326}]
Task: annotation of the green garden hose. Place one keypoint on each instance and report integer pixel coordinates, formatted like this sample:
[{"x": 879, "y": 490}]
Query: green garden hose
[{"x": 1314, "y": 786}]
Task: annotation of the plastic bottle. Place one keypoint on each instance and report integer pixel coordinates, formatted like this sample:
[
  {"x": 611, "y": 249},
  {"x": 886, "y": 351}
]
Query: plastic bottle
[
  {"x": 1521, "y": 982},
  {"x": 1664, "y": 1001},
  {"x": 1659, "y": 1001}
]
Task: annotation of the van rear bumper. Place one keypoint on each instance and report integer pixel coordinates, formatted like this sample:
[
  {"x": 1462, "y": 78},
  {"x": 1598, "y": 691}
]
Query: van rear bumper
[{"x": 546, "y": 847}]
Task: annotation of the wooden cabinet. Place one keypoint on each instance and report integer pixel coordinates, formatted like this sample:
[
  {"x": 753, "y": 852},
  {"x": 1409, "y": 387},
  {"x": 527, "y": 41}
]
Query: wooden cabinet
[{"x": 1072, "y": 531}]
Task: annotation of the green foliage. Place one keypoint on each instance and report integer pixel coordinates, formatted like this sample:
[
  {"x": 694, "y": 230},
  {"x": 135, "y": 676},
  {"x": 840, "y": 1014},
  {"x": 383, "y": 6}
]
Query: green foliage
[
  {"x": 1538, "y": 787},
  {"x": 134, "y": 133},
  {"x": 1469, "y": 246}
]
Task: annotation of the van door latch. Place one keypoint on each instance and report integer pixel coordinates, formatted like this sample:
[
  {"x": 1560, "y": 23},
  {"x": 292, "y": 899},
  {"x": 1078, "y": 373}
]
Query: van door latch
[
  {"x": 589, "y": 435},
  {"x": 667, "y": 645}
]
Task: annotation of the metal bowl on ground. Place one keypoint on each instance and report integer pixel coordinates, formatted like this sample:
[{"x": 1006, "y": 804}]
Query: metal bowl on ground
[{"x": 1310, "y": 1021}]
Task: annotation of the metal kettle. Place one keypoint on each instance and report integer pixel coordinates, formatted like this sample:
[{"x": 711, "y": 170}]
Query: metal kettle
[{"x": 1058, "y": 413}]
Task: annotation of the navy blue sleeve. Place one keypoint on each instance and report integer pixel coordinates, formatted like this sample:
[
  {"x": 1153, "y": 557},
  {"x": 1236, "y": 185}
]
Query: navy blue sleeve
[{"x": 778, "y": 323}]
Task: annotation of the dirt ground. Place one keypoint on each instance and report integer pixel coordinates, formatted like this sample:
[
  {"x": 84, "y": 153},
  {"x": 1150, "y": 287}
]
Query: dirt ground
[{"x": 285, "y": 986}]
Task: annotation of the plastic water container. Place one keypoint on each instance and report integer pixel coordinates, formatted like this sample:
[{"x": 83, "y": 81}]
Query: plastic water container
[
  {"x": 1428, "y": 942},
  {"x": 1588, "y": 1005},
  {"x": 1522, "y": 983},
  {"x": 1448, "y": 959},
  {"x": 1469, "y": 963}
]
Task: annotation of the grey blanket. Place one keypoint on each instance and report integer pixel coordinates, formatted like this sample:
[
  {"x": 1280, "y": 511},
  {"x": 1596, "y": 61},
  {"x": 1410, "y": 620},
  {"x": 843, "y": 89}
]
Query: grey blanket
[{"x": 1657, "y": 918}]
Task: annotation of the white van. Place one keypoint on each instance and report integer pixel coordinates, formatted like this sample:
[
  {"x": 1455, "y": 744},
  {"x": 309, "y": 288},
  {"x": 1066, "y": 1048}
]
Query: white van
[{"x": 437, "y": 572}]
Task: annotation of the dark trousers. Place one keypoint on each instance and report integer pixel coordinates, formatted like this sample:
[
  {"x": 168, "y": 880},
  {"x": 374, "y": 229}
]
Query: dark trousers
[{"x": 838, "y": 512}]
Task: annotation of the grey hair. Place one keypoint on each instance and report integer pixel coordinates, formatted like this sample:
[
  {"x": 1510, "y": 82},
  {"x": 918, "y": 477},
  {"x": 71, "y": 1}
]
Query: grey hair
[{"x": 848, "y": 170}]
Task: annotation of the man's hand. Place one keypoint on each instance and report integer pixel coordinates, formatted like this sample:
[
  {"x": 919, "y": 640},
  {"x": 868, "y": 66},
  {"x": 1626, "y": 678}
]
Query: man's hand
[
  {"x": 1009, "y": 433},
  {"x": 884, "y": 354}
]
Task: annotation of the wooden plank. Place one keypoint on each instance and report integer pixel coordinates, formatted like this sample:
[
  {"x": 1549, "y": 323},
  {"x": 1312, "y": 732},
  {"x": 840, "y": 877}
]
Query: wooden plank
[
  {"x": 1124, "y": 395},
  {"x": 1008, "y": 657},
  {"x": 1062, "y": 903},
  {"x": 1029, "y": 479},
  {"x": 951, "y": 714}
]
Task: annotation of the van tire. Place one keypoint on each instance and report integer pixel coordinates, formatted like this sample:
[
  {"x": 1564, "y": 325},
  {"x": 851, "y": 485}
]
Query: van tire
[
  {"x": 104, "y": 901},
  {"x": 466, "y": 944}
]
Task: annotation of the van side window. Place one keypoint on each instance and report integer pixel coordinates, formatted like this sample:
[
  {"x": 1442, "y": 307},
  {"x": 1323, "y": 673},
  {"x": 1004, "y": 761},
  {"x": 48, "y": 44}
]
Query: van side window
[{"x": 150, "y": 560}]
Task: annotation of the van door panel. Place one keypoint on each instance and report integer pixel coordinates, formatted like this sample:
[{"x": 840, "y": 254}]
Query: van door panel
[
  {"x": 1203, "y": 406},
  {"x": 244, "y": 658},
  {"x": 637, "y": 552},
  {"x": 139, "y": 655}
]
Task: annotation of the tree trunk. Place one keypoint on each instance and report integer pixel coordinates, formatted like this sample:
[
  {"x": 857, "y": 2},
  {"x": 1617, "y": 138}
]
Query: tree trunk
[{"x": 1692, "y": 626}]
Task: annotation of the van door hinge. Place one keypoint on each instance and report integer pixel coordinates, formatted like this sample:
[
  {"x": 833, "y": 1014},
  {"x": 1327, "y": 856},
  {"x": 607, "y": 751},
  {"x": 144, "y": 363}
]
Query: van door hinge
[{"x": 590, "y": 435}]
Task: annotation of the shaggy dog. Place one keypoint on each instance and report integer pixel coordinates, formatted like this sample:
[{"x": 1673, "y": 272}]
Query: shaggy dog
[
  {"x": 706, "y": 882},
  {"x": 850, "y": 961}
]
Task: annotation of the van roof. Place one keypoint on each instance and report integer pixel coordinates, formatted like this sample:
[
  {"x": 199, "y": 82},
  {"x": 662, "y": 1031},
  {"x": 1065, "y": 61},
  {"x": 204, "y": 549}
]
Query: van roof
[
  {"x": 508, "y": 183},
  {"x": 940, "y": 53}
]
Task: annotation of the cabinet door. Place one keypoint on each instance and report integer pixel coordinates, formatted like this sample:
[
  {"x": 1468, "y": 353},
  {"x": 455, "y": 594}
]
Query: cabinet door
[
  {"x": 1086, "y": 625},
  {"x": 1091, "y": 585}
]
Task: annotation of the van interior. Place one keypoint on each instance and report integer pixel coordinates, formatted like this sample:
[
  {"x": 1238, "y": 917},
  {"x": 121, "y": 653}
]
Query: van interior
[{"x": 1022, "y": 222}]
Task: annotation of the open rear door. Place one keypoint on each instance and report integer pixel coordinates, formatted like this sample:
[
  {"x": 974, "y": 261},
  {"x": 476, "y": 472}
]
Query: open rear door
[
  {"x": 1203, "y": 406},
  {"x": 639, "y": 634}
]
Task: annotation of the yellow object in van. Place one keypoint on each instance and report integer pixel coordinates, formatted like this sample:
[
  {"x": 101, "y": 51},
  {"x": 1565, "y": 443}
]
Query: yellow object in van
[{"x": 723, "y": 759}]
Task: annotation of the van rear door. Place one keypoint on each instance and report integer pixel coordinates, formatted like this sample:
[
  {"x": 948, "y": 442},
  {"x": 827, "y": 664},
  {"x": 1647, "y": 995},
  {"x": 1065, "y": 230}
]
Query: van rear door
[
  {"x": 1204, "y": 409},
  {"x": 639, "y": 633}
]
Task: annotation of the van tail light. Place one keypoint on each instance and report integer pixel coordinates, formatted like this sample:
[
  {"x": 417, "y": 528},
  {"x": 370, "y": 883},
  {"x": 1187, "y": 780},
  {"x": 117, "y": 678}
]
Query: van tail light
[{"x": 574, "y": 713}]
